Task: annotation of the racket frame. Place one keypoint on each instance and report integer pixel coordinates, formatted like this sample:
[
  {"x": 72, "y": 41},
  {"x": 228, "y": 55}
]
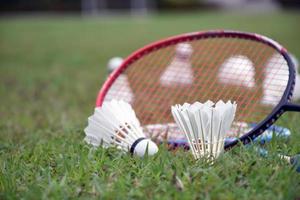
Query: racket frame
[{"x": 283, "y": 105}]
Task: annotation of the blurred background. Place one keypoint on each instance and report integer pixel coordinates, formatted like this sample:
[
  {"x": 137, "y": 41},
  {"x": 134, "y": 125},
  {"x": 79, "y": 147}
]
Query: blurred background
[
  {"x": 53, "y": 53},
  {"x": 100, "y": 7}
]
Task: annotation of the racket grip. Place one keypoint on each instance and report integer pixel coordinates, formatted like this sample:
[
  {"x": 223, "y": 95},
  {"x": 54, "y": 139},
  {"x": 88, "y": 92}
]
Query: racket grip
[
  {"x": 291, "y": 107},
  {"x": 295, "y": 161}
]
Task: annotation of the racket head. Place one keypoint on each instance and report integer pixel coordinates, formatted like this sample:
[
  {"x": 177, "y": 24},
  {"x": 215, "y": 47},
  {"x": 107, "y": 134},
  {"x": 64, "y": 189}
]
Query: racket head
[{"x": 247, "y": 55}]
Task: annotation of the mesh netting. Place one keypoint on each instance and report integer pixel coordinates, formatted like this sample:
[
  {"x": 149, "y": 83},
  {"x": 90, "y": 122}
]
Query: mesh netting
[{"x": 249, "y": 72}]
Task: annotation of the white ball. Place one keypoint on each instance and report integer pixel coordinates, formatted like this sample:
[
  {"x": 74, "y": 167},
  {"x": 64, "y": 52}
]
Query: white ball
[
  {"x": 114, "y": 63},
  {"x": 142, "y": 146}
]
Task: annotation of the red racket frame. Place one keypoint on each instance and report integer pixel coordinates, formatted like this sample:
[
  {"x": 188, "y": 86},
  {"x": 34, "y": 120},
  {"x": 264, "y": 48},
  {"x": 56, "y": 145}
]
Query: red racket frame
[{"x": 283, "y": 106}]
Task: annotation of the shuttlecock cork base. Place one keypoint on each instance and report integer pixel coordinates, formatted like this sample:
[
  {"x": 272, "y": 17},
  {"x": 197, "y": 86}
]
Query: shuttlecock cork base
[
  {"x": 115, "y": 124},
  {"x": 205, "y": 126}
]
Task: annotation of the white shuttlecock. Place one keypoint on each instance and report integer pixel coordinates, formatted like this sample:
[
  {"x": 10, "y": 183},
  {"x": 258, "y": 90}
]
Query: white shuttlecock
[
  {"x": 205, "y": 126},
  {"x": 114, "y": 63},
  {"x": 120, "y": 88},
  {"x": 296, "y": 94},
  {"x": 115, "y": 124},
  {"x": 237, "y": 70},
  {"x": 276, "y": 79},
  {"x": 179, "y": 72}
]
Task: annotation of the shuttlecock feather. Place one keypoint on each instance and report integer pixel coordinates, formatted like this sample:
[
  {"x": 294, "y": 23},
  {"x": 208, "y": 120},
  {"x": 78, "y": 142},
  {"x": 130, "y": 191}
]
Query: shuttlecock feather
[
  {"x": 276, "y": 79},
  {"x": 115, "y": 124},
  {"x": 237, "y": 70},
  {"x": 179, "y": 71},
  {"x": 121, "y": 86},
  {"x": 296, "y": 94},
  {"x": 205, "y": 125}
]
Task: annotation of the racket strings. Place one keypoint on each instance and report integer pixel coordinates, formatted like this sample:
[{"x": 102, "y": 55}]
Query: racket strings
[{"x": 248, "y": 72}]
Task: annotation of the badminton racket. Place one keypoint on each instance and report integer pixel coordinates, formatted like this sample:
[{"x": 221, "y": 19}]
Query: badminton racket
[{"x": 250, "y": 69}]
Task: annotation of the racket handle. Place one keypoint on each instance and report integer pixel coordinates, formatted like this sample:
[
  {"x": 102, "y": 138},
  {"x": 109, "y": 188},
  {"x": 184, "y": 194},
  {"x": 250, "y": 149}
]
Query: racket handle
[
  {"x": 291, "y": 107},
  {"x": 293, "y": 160}
]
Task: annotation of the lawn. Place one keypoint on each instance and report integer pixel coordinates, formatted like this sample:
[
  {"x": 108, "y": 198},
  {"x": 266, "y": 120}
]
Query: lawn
[{"x": 51, "y": 69}]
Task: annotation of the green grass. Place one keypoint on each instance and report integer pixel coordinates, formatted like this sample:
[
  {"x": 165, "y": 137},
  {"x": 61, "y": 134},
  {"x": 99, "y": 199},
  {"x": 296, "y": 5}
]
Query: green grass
[{"x": 50, "y": 72}]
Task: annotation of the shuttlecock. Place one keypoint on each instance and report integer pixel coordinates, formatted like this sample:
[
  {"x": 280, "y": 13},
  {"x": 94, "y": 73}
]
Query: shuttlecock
[
  {"x": 276, "y": 79},
  {"x": 114, "y": 63},
  {"x": 296, "y": 94},
  {"x": 179, "y": 72},
  {"x": 115, "y": 124},
  {"x": 120, "y": 89},
  {"x": 237, "y": 70},
  {"x": 205, "y": 126}
]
